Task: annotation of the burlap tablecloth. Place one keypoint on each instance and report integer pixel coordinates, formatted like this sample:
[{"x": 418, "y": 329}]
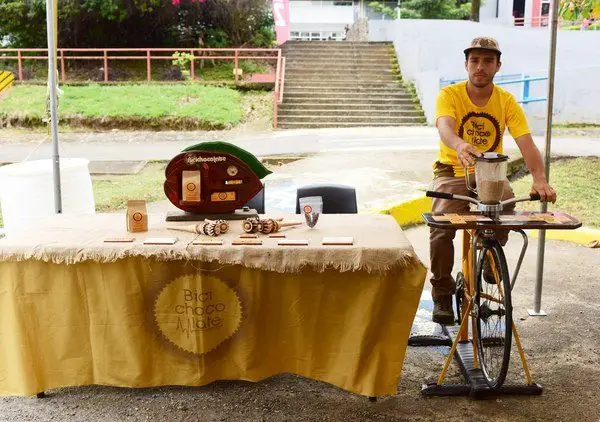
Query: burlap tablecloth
[
  {"x": 379, "y": 244},
  {"x": 78, "y": 311}
]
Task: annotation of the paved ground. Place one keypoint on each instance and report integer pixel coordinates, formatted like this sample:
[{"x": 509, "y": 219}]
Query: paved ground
[
  {"x": 386, "y": 166},
  {"x": 16, "y": 145}
]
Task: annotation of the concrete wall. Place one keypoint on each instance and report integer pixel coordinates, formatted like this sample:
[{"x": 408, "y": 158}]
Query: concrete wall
[{"x": 429, "y": 50}]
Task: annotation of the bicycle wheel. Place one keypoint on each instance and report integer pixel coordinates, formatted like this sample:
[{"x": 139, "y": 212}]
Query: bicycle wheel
[{"x": 494, "y": 313}]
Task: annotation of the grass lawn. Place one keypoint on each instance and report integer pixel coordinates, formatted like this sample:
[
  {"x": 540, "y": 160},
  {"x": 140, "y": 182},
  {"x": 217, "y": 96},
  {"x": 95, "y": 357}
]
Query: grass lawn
[
  {"x": 576, "y": 183},
  {"x": 211, "y": 104},
  {"x": 111, "y": 193}
]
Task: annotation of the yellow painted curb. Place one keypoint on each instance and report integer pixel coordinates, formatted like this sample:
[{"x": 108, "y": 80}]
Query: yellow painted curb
[
  {"x": 410, "y": 212},
  {"x": 583, "y": 235}
]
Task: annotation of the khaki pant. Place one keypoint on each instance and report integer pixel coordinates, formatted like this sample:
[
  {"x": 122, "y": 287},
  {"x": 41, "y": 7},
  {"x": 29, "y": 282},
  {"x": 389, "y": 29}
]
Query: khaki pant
[{"x": 441, "y": 246}]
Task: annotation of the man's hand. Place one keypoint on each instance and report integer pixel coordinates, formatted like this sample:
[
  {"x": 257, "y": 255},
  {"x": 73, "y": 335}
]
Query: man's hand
[
  {"x": 546, "y": 192},
  {"x": 466, "y": 154}
]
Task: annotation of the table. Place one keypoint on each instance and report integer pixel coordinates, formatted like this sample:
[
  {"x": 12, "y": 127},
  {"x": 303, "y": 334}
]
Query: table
[{"x": 79, "y": 311}]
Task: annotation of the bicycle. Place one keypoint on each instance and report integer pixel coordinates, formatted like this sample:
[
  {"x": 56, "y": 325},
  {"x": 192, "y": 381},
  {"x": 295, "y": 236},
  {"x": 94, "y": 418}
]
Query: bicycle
[{"x": 484, "y": 296}]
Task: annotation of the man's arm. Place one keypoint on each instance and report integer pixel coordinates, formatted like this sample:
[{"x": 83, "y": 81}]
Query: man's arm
[
  {"x": 464, "y": 150},
  {"x": 535, "y": 164}
]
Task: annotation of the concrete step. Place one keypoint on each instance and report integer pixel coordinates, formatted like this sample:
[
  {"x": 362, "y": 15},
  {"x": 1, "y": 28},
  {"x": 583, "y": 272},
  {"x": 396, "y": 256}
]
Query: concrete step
[
  {"x": 309, "y": 118},
  {"x": 348, "y": 105},
  {"x": 283, "y": 113},
  {"x": 341, "y": 80},
  {"x": 334, "y": 69},
  {"x": 346, "y": 74},
  {"x": 295, "y": 88},
  {"x": 348, "y": 61},
  {"x": 390, "y": 86},
  {"x": 399, "y": 105},
  {"x": 316, "y": 125},
  {"x": 308, "y": 57},
  {"x": 339, "y": 68},
  {"x": 317, "y": 53},
  {"x": 357, "y": 96},
  {"x": 344, "y": 100},
  {"x": 340, "y": 50}
]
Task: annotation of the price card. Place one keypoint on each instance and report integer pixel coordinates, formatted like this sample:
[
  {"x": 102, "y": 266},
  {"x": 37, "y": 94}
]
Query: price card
[
  {"x": 207, "y": 242},
  {"x": 119, "y": 239},
  {"x": 247, "y": 242},
  {"x": 338, "y": 241},
  {"x": 160, "y": 241},
  {"x": 293, "y": 242}
]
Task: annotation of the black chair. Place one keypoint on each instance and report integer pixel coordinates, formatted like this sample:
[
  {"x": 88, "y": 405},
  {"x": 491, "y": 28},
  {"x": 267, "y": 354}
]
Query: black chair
[
  {"x": 258, "y": 202},
  {"x": 337, "y": 199}
]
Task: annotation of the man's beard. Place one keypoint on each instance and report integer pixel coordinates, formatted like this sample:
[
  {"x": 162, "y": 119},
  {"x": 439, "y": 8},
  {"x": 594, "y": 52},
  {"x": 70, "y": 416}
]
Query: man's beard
[{"x": 481, "y": 84}]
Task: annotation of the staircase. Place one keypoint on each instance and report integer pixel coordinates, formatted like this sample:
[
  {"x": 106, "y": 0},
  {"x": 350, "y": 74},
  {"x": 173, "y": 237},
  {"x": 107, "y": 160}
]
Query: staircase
[{"x": 344, "y": 84}]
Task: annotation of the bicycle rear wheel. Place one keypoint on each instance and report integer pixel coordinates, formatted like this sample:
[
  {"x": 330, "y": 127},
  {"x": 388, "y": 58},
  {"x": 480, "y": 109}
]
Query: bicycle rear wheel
[{"x": 494, "y": 313}]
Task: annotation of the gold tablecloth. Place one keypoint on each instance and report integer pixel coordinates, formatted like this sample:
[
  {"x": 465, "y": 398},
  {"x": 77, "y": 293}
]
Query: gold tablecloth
[{"x": 181, "y": 315}]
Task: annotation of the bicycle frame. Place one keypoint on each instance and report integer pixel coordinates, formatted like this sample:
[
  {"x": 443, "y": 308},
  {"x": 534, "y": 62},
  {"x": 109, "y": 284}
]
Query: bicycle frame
[
  {"x": 469, "y": 259},
  {"x": 478, "y": 231}
]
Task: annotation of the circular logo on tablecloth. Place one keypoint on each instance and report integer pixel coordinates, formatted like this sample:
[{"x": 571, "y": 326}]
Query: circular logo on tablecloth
[{"x": 197, "y": 313}]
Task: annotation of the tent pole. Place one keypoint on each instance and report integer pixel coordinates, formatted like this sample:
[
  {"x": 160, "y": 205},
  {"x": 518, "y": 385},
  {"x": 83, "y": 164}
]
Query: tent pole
[
  {"x": 537, "y": 300},
  {"x": 52, "y": 93}
]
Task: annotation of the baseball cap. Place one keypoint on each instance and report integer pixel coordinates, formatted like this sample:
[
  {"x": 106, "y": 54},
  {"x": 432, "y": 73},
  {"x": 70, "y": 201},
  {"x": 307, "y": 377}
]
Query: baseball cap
[{"x": 484, "y": 43}]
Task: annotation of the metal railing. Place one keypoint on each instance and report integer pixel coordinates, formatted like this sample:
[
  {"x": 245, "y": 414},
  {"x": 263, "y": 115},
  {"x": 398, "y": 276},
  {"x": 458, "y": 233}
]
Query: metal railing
[
  {"x": 279, "y": 88},
  {"x": 534, "y": 21},
  {"x": 148, "y": 55},
  {"x": 510, "y": 80}
]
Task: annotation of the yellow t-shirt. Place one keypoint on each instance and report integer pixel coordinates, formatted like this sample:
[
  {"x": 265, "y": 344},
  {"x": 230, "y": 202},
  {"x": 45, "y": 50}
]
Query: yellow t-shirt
[{"x": 482, "y": 127}]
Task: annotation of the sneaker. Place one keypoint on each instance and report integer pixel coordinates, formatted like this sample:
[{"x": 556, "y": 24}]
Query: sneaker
[
  {"x": 442, "y": 311},
  {"x": 488, "y": 273}
]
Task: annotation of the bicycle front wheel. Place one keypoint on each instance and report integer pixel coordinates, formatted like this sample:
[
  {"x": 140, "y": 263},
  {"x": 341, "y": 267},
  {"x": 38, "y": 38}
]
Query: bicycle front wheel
[{"x": 494, "y": 313}]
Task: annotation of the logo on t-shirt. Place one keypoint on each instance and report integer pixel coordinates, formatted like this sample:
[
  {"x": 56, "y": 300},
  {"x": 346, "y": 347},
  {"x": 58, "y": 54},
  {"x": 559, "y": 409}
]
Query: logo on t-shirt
[{"x": 481, "y": 130}]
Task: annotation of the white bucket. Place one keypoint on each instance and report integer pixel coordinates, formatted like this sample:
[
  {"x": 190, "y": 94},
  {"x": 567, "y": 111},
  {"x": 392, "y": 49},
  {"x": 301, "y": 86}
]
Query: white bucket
[{"x": 27, "y": 191}]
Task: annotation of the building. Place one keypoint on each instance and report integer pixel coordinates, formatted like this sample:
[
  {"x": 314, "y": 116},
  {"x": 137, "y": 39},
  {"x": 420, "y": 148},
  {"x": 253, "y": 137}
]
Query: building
[
  {"x": 529, "y": 13},
  {"x": 329, "y": 19}
]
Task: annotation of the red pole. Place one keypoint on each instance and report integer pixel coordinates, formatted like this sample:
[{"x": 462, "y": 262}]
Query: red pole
[
  {"x": 20, "y": 65},
  {"x": 192, "y": 66},
  {"x": 62, "y": 66},
  {"x": 105, "y": 66},
  {"x": 235, "y": 65},
  {"x": 148, "y": 66}
]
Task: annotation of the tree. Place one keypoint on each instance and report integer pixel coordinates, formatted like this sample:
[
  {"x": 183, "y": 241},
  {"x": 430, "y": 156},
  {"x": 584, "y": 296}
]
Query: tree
[
  {"x": 475, "y": 6},
  {"x": 139, "y": 23},
  {"x": 573, "y": 10}
]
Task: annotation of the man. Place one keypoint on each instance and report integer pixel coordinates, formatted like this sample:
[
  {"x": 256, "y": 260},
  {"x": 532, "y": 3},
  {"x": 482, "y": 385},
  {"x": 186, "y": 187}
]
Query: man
[{"x": 471, "y": 118}]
